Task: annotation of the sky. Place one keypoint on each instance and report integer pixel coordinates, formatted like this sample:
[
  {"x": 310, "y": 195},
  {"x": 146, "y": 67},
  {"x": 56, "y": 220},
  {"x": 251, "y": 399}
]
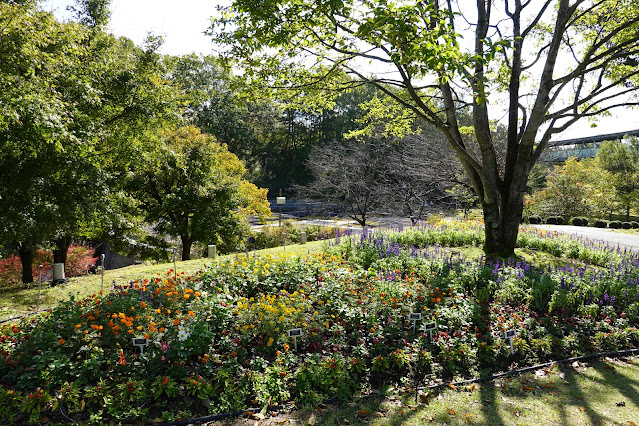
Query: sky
[{"x": 182, "y": 24}]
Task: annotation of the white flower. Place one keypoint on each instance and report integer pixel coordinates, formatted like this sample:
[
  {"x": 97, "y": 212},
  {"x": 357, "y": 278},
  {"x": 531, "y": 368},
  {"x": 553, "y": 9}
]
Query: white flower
[{"x": 183, "y": 335}]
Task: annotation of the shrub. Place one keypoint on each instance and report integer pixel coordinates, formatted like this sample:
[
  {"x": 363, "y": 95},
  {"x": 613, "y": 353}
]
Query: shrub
[
  {"x": 635, "y": 224},
  {"x": 555, "y": 220},
  {"x": 79, "y": 260},
  {"x": 601, "y": 223},
  {"x": 626, "y": 225},
  {"x": 615, "y": 224},
  {"x": 534, "y": 220},
  {"x": 580, "y": 221}
]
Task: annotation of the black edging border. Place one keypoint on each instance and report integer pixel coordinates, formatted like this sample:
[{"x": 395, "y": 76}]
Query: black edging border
[
  {"x": 28, "y": 314},
  {"x": 223, "y": 416}
]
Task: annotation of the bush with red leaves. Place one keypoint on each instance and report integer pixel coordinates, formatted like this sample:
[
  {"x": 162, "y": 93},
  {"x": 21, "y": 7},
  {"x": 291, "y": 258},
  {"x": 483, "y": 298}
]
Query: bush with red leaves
[{"x": 79, "y": 260}]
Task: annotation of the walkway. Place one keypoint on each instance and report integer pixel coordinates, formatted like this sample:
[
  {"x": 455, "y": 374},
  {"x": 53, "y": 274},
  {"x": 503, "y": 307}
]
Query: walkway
[{"x": 611, "y": 236}]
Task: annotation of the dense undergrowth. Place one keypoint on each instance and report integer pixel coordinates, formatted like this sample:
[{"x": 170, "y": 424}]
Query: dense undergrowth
[{"x": 218, "y": 341}]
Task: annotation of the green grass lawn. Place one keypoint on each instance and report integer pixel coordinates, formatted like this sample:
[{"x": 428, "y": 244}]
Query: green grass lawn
[
  {"x": 600, "y": 393},
  {"x": 16, "y": 301}
]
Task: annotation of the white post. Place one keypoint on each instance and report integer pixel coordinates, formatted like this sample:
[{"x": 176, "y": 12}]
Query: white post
[
  {"x": 58, "y": 272},
  {"x": 212, "y": 251},
  {"x": 303, "y": 237}
]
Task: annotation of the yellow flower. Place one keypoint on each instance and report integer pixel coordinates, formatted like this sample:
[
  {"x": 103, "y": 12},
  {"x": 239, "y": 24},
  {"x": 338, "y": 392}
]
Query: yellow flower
[{"x": 270, "y": 342}]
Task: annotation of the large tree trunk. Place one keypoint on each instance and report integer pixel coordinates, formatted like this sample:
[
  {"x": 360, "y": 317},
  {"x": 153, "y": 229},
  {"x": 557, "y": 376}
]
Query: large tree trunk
[
  {"x": 26, "y": 259},
  {"x": 61, "y": 250},
  {"x": 186, "y": 247},
  {"x": 501, "y": 228}
]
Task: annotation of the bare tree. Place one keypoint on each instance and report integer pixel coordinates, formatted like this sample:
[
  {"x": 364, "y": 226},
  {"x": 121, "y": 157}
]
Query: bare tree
[
  {"x": 419, "y": 171},
  {"x": 347, "y": 174},
  {"x": 383, "y": 175}
]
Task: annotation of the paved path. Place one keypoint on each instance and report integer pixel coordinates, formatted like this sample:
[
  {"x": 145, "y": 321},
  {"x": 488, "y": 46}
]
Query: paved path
[{"x": 612, "y": 236}]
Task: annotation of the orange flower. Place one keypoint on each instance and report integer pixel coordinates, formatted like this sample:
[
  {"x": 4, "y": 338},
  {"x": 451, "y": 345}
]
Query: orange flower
[
  {"x": 176, "y": 321},
  {"x": 143, "y": 305},
  {"x": 61, "y": 341},
  {"x": 186, "y": 296}
]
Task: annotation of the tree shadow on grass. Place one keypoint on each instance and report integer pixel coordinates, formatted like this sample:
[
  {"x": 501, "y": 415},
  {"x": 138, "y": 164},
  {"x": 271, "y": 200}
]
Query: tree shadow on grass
[
  {"x": 581, "y": 402},
  {"x": 361, "y": 411}
]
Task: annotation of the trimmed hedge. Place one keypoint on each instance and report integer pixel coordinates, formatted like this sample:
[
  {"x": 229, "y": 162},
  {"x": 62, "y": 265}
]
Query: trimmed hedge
[
  {"x": 635, "y": 224},
  {"x": 555, "y": 220},
  {"x": 626, "y": 225},
  {"x": 534, "y": 220},
  {"x": 615, "y": 224},
  {"x": 580, "y": 221},
  {"x": 601, "y": 223}
]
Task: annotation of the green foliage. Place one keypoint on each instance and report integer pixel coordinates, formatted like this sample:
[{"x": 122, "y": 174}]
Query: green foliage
[
  {"x": 217, "y": 340},
  {"x": 73, "y": 100},
  {"x": 575, "y": 189},
  {"x": 192, "y": 187},
  {"x": 621, "y": 160}
]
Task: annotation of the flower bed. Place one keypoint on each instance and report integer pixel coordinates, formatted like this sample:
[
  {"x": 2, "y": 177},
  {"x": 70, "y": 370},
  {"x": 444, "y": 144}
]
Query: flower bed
[{"x": 219, "y": 340}]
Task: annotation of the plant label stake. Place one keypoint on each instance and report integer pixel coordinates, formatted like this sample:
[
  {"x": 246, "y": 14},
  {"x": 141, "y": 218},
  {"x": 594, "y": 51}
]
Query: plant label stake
[
  {"x": 414, "y": 317},
  {"x": 174, "y": 262},
  {"x": 102, "y": 256},
  {"x": 430, "y": 326},
  {"x": 295, "y": 333},
  {"x": 39, "y": 287},
  {"x": 140, "y": 342},
  {"x": 510, "y": 334}
]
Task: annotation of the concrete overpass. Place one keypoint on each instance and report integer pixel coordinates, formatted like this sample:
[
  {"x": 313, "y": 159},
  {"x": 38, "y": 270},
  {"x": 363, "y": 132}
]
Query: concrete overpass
[{"x": 584, "y": 147}]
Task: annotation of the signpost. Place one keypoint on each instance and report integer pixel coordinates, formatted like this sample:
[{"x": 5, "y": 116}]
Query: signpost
[
  {"x": 280, "y": 201},
  {"x": 295, "y": 333},
  {"x": 39, "y": 287},
  {"x": 510, "y": 334},
  {"x": 140, "y": 342},
  {"x": 415, "y": 316},
  {"x": 102, "y": 257},
  {"x": 430, "y": 326},
  {"x": 175, "y": 262}
]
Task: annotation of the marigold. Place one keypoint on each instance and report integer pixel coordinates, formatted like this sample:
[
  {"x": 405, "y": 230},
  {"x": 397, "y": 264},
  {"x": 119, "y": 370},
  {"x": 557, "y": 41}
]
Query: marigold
[{"x": 61, "y": 341}]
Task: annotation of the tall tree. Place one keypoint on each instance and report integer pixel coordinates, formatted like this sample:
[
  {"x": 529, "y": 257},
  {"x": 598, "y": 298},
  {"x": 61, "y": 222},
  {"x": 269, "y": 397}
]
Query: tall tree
[
  {"x": 621, "y": 159},
  {"x": 191, "y": 187},
  {"x": 553, "y": 62}
]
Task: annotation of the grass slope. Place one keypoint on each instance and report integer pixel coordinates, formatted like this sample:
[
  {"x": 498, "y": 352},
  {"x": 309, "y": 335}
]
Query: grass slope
[{"x": 20, "y": 300}]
